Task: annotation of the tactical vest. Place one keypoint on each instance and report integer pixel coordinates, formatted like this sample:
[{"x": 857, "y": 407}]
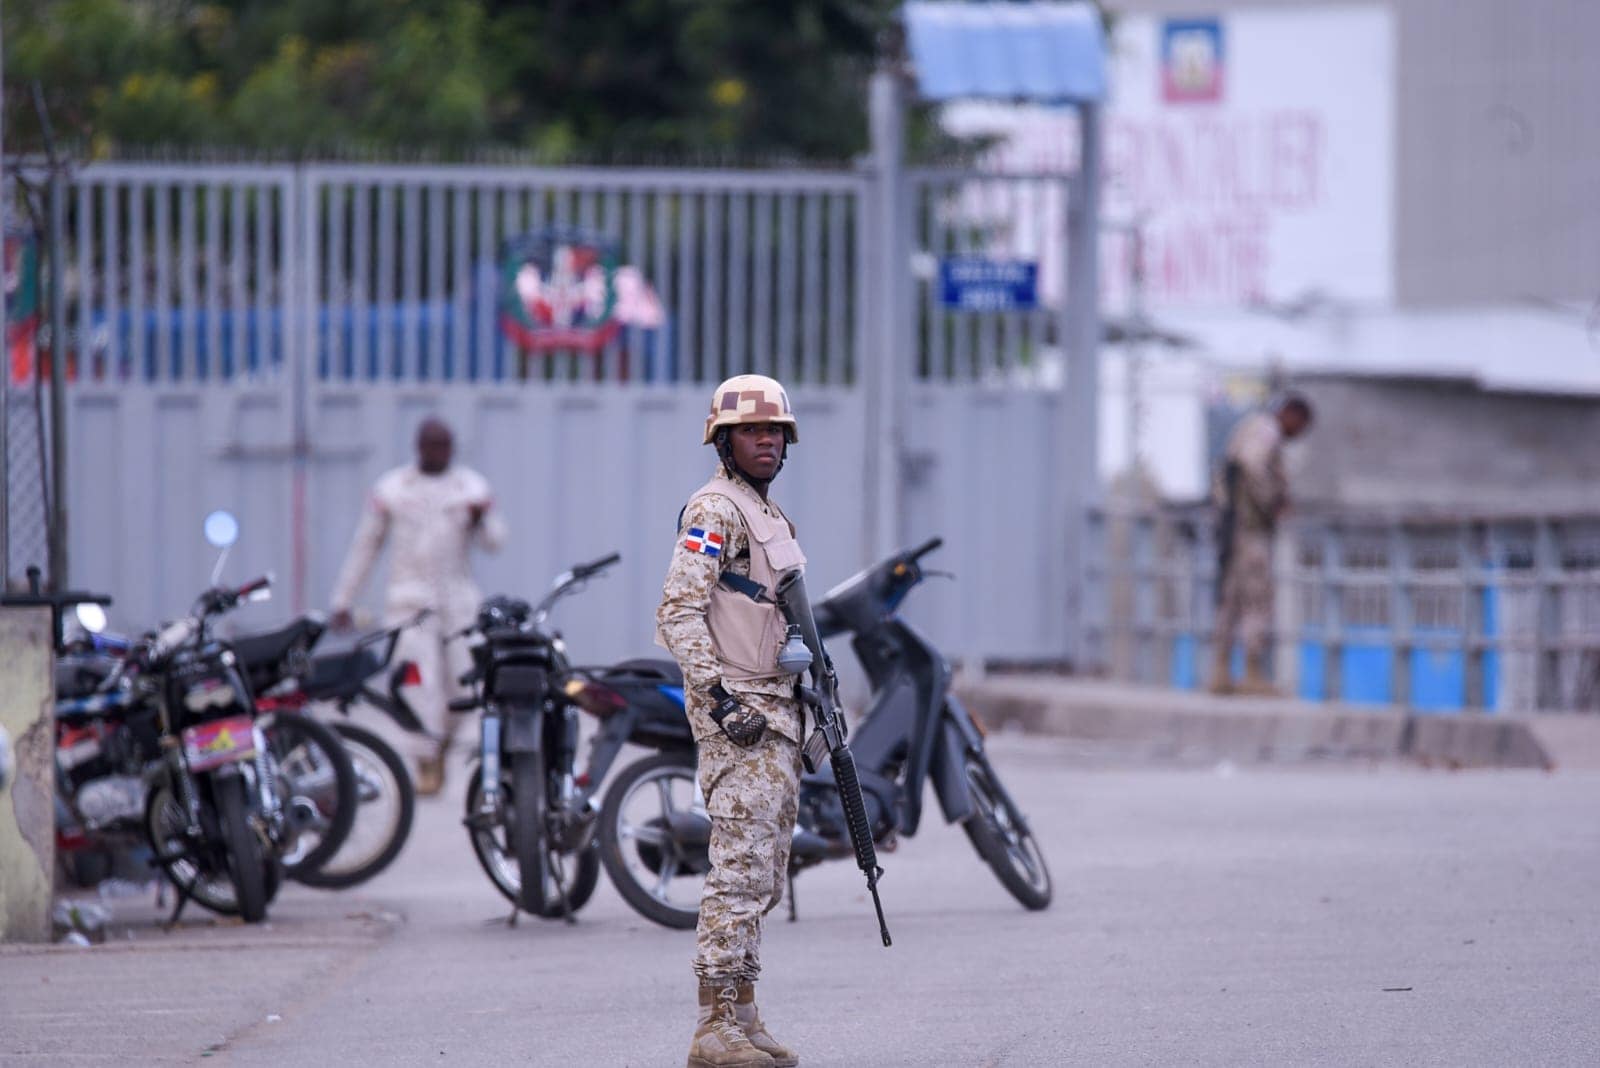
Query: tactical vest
[{"x": 745, "y": 634}]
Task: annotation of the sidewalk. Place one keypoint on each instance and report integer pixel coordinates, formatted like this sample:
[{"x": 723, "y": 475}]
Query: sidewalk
[
  {"x": 148, "y": 994},
  {"x": 1130, "y": 722}
]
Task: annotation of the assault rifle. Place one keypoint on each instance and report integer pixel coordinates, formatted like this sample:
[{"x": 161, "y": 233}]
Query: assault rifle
[
  {"x": 1226, "y": 522},
  {"x": 822, "y": 697}
]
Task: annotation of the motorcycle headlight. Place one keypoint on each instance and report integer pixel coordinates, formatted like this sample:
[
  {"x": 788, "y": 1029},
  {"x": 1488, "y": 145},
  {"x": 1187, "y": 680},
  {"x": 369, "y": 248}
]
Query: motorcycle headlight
[{"x": 208, "y": 693}]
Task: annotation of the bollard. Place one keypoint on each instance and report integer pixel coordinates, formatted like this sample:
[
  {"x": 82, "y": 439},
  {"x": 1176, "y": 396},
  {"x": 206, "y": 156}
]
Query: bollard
[{"x": 27, "y": 813}]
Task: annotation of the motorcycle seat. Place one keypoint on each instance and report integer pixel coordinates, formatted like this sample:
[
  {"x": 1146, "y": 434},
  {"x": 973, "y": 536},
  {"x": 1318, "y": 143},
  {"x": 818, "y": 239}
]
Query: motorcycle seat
[
  {"x": 342, "y": 674},
  {"x": 264, "y": 650},
  {"x": 667, "y": 672},
  {"x": 79, "y": 675}
]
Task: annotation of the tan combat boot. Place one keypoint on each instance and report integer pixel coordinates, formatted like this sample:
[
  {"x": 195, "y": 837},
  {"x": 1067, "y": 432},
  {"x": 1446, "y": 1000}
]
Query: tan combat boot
[
  {"x": 430, "y": 776},
  {"x": 1255, "y": 682},
  {"x": 756, "y": 1031},
  {"x": 719, "y": 1041}
]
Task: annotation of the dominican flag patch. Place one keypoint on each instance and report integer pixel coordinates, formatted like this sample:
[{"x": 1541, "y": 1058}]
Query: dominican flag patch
[{"x": 703, "y": 541}]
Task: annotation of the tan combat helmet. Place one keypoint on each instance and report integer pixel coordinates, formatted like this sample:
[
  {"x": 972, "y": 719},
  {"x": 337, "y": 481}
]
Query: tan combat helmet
[{"x": 751, "y": 399}]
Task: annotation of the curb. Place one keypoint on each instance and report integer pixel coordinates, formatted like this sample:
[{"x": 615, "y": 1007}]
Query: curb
[{"x": 1155, "y": 724}]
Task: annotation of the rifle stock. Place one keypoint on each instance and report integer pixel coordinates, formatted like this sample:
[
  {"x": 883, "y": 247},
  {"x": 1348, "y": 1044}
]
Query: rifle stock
[{"x": 829, "y": 737}]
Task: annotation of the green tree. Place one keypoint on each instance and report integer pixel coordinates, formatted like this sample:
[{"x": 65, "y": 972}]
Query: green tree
[{"x": 592, "y": 79}]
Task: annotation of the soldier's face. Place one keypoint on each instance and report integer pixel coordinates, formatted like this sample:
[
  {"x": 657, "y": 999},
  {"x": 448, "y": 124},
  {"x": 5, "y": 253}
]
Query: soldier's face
[{"x": 757, "y": 448}]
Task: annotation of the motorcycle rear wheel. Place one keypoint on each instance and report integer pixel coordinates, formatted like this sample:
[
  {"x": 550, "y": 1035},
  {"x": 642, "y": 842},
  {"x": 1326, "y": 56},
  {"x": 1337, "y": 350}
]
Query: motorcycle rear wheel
[
  {"x": 317, "y": 785},
  {"x": 386, "y": 807},
  {"x": 1009, "y": 850},
  {"x": 580, "y": 873},
  {"x": 638, "y": 848}
]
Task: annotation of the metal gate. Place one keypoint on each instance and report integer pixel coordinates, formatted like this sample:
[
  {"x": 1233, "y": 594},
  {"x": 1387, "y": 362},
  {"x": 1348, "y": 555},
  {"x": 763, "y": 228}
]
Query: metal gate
[{"x": 266, "y": 339}]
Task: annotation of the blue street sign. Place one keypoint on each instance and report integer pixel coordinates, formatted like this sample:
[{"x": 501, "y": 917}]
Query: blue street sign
[{"x": 975, "y": 283}]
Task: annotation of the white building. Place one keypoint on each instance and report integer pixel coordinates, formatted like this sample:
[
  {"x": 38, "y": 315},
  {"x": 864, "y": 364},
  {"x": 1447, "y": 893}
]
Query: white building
[{"x": 1387, "y": 187}]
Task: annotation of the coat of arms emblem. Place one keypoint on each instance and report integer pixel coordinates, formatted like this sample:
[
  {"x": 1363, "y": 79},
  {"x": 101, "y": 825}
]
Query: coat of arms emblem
[{"x": 565, "y": 289}]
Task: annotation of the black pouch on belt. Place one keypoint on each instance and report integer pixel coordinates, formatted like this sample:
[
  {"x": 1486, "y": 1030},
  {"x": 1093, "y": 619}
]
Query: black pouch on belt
[{"x": 729, "y": 715}]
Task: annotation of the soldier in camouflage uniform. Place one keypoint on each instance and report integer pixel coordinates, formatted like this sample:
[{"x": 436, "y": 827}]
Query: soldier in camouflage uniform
[
  {"x": 1252, "y": 493},
  {"x": 742, "y": 707}
]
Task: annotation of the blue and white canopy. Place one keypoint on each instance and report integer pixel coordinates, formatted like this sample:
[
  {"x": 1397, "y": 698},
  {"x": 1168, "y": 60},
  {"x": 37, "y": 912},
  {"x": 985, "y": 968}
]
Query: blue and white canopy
[{"x": 1044, "y": 52}]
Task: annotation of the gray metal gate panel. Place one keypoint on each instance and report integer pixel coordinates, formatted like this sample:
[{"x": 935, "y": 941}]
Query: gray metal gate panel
[
  {"x": 299, "y": 323},
  {"x": 579, "y": 472},
  {"x": 407, "y": 257}
]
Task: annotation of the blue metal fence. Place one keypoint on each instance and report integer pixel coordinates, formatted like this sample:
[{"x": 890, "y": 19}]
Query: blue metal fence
[{"x": 1490, "y": 614}]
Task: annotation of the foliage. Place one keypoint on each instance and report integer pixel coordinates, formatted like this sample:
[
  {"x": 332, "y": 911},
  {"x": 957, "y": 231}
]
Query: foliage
[{"x": 565, "y": 79}]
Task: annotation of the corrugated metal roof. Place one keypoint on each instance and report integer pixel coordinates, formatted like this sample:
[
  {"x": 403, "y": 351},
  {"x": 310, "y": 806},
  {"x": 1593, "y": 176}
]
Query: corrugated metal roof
[{"x": 1046, "y": 52}]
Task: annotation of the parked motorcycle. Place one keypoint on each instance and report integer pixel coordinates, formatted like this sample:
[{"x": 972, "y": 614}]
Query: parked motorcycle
[
  {"x": 214, "y": 816},
  {"x": 229, "y": 801},
  {"x": 289, "y": 681},
  {"x": 654, "y": 831},
  {"x": 530, "y": 821}
]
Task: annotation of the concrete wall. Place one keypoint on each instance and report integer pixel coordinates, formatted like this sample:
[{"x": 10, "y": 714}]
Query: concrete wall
[
  {"x": 1414, "y": 445},
  {"x": 27, "y": 817}
]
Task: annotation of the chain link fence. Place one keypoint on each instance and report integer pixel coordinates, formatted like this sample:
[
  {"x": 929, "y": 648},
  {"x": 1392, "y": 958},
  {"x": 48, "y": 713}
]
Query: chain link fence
[
  {"x": 26, "y": 471},
  {"x": 27, "y": 481}
]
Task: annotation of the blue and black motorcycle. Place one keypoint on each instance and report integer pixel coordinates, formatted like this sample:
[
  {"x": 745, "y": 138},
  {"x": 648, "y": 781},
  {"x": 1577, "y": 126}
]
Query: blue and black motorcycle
[{"x": 653, "y": 828}]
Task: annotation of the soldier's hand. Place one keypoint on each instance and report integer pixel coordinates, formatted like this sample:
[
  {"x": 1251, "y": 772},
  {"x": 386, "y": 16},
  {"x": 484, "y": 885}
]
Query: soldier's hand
[
  {"x": 341, "y": 620},
  {"x": 741, "y": 728}
]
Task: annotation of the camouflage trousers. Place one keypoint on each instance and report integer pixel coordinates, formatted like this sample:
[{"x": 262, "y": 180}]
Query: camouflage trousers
[
  {"x": 1245, "y": 611},
  {"x": 752, "y": 797}
]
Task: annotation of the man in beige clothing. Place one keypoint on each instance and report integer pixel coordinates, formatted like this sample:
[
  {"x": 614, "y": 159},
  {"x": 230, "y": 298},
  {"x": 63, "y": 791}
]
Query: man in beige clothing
[
  {"x": 1252, "y": 493},
  {"x": 431, "y": 513}
]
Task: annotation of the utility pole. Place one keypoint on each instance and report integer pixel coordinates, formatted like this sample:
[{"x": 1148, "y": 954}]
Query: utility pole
[{"x": 886, "y": 373}]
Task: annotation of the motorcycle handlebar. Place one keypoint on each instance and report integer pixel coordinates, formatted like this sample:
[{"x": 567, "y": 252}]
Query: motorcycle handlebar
[
  {"x": 595, "y": 566},
  {"x": 251, "y": 587},
  {"x": 389, "y": 633}
]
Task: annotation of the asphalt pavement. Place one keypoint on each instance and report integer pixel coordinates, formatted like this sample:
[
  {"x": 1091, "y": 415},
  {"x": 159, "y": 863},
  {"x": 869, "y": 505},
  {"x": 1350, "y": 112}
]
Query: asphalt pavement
[{"x": 1315, "y": 914}]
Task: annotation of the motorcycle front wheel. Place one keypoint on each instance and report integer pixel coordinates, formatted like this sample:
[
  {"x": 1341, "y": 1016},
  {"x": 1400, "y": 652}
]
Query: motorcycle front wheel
[
  {"x": 492, "y": 844},
  {"x": 1007, "y": 847},
  {"x": 529, "y": 835},
  {"x": 657, "y": 869},
  {"x": 188, "y": 863},
  {"x": 386, "y": 805},
  {"x": 247, "y": 855}
]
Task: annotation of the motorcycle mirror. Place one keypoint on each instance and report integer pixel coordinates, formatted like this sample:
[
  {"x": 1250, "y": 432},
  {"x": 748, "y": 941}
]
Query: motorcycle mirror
[
  {"x": 222, "y": 529},
  {"x": 91, "y": 617}
]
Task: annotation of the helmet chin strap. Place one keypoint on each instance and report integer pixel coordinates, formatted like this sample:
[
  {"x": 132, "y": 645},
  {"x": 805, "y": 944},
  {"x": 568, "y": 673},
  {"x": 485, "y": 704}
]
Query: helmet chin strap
[{"x": 724, "y": 445}]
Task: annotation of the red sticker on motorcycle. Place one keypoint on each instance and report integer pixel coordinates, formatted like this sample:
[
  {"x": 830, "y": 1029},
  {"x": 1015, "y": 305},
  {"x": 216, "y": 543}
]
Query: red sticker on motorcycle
[{"x": 219, "y": 742}]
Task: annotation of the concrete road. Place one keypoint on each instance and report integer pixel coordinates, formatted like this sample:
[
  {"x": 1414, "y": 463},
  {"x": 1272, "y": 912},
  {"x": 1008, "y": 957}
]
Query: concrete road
[{"x": 1328, "y": 915}]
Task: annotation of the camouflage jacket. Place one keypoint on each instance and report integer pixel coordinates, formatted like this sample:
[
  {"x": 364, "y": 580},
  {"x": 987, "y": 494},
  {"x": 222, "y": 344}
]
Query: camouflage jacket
[{"x": 681, "y": 617}]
